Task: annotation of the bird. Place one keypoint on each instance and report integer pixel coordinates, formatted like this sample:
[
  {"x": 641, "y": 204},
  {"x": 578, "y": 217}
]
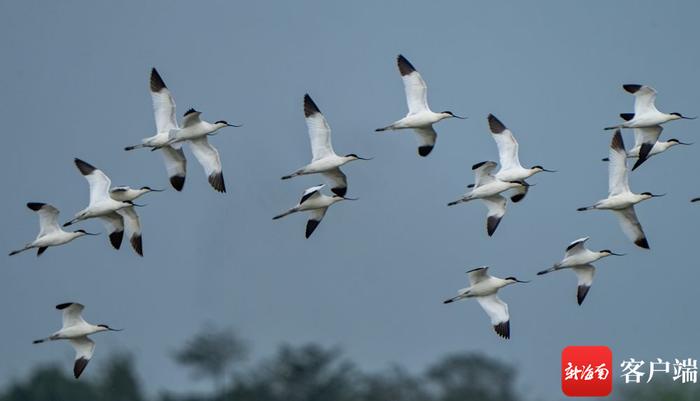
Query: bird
[
  {"x": 621, "y": 199},
  {"x": 317, "y": 203},
  {"x": 647, "y": 144},
  {"x": 324, "y": 159},
  {"x": 419, "y": 118},
  {"x": 579, "y": 258},
  {"x": 511, "y": 170},
  {"x": 50, "y": 233},
  {"x": 484, "y": 288},
  {"x": 166, "y": 120},
  {"x": 76, "y": 330},
  {"x": 487, "y": 188},
  {"x": 645, "y": 112},
  {"x": 102, "y": 205}
]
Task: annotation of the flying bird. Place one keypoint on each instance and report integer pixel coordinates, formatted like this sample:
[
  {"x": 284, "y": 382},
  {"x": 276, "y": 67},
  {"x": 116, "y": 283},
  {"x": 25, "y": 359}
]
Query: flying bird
[
  {"x": 50, "y": 233},
  {"x": 419, "y": 118},
  {"x": 324, "y": 159},
  {"x": 484, "y": 288},
  {"x": 487, "y": 188},
  {"x": 313, "y": 201},
  {"x": 166, "y": 120},
  {"x": 621, "y": 199},
  {"x": 195, "y": 131},
  {"x": 645, "y": 112},
  {"x": 647, "y": 144},
  {"x": 510, "y": 170},
  {"x": 127, "y": 217},
  {"x": 102, "y": 205},
  {"x": 76, "y": 330},
  {"x": 579, "y": 258}
]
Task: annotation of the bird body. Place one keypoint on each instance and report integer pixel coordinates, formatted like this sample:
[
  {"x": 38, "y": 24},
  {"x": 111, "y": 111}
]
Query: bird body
[
  {"x": 317, "y": 203},
  {"x": 419, "y": 118},
  {"x": 645, "y": 112}
]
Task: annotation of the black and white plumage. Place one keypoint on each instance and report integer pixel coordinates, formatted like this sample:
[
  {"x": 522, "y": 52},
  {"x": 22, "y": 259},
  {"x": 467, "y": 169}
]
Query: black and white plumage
[
  {"x": 316, "y": 203},
  {"x": 645, "y": 112},
  {"x": 484, "y": 288}
]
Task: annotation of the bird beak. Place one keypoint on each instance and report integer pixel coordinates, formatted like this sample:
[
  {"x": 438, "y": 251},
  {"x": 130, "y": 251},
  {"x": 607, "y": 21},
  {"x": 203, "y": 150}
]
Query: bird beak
[
  {"x": 364, "y": 158},
  {"x": 137, "y": 205},
  {"x": 695, "y": 200},
  {"x": 521, "y": 281},
  {"x": 525, "y": 184},
  {"x": 87, "y": 233},
  {"x": 350, "y": 199},
  {"x": 456, "y": 116},
  {"x": 232, "y": 125},
  {"x": 657, "y": 196},
  {"x": 689, "y": 118},
  {"x": 685, "y": 143},
  {"x": 111, "y": 329},
  {"x": 156, "y": 190},
  {"x": 549, "y": 171},
  {"x": 618, "y": 254}
]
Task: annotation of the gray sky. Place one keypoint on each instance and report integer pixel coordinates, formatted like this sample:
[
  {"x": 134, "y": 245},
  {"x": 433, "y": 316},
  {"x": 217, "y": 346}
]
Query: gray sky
[{"x": 372, "y": 278}]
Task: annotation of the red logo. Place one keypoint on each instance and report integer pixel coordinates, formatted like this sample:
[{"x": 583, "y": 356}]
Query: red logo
[{"x": 586, "y": 371}]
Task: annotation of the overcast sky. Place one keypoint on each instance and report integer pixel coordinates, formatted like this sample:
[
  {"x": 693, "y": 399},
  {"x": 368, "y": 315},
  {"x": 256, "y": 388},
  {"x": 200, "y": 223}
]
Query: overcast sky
[{"x": 373, "y": 276}]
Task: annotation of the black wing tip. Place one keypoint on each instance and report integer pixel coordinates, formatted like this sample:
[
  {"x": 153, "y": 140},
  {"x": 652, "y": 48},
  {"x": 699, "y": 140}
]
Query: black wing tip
[
  {"x": 64, "y": 305},
  {"x": 405, "y": 66},
  {"x": 581, "y": 293},
  {"x": 476, "y": 269},
  {"x": 41, "y": 250},
  {"x": 492, "y": 224},
  {"x": 157, "y": 83},
  {"x": 340, "y": 191},
  {"x": 617, "y": 143},
  {"x": 190, "y": 111},
  {"x": 517, "y": 198},
  {"x": 503, "y": 329},
  {"x": 35, "y": 206},
  {"x": 310, "y": 107},
  {"x": 642, "y": 243},
  {"x": 632, "y": 88},
  {"x": 216, "y": 180},
  {"x": 477, "y": 165},
  {"x": 627, "y": 116},
  {"x": 495, "y": 125},
  {"x": 643, "y": 156},
  {"x": 311, "y": 227},
  {"x": 115, "y": 238},
  {"x": 84, "y": 167},
  {"x": 79, "y": 366},
  {"x": 425, "y": 150},
  {"x": 178, "y": 182},
  {"x": 137, "y": 244}
]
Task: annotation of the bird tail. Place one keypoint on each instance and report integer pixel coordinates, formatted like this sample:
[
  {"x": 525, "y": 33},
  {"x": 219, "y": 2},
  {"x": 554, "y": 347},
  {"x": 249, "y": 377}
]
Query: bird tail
[{"x": 288, "y": 212}]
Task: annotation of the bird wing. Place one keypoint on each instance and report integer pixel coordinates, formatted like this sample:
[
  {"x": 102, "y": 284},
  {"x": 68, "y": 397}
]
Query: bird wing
[
  {"x": 483, "y": 173},
  {"x": 426, "y": 139},
  {"x": 310, "y": 193},
  {"x": 415, "y": 87},
  {"x": 208, "y": 157},
  {"x": 478, "y": 275},
  {"x": 176, "y": 165},
  {"x": 114, "y": 223},
  {"x": 631, "y": 226},
  {"x": 576, "y": 246},
  {"x": 585, "y": 274},
  {"x": 319, "y": 130},
  {"x": 644, "y": 97},
  {"x": 497, "y": 208},
  {"x": 506, "y": 143},
  {"x": 315, "y": 220},
  {"x": 84, "y": 347},
  {"x": 618, "y": 182},
  {"x": 163, "y": 104},
  {"x": 98, "y": 181},
  {"x": 48, "y": 218},
  {"x": 647, "y": 135},
  {"x": 133, "y": 225},
  {"x": 190, "y": 118},
  {"x": 498, "y": 312},
  {"x": 340, "y": 181},
  {"x": 71, "y": 313}
]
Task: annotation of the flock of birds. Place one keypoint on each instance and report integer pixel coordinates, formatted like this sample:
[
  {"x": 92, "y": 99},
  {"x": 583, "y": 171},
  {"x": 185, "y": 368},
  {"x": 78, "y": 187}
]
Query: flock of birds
[{"x": 116, "y": 208}]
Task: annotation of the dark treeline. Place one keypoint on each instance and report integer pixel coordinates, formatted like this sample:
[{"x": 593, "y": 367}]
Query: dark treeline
[{"x": 297, "y": 373}]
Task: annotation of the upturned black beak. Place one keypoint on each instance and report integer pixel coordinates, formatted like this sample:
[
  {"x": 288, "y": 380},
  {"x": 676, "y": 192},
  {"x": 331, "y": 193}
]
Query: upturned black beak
[
  {"x": 685, "y": 143},
  {"x": 137, "y": 205},
  {"x": 155, "y": 190},
  {"x": 350, "y": 199},
  {"x": 688, "y": 118},
  {"x": 456, "y": 116},
  {"x": 549, "y": 171},
  {"x": 657, "y": 196},
  {"x": 521, "y": 281},
  {"x": 364, "y": 158},
  {"x": 618, "y": 254},
  {"x": 232, "y": 125},
  {"x": 695, "y": 200},
  {"x": 111, "y": 329},
  {"x": 87, "y": 233}
]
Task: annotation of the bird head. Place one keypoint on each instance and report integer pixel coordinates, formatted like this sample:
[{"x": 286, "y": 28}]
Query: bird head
[
  {"x": 513, "y": 280},
  {"x": 449, "y": 114},
  {"x": 83, "y": 232},
  {"x": 678, "y": 116},
  {"x": 608, "y": 252},
  {"x": 223, "y": 123},
  {"x": 674, "y": 142},
  {"x": 353, "y": 156},
  {"x": 649, "y": 195},
  {"x": 104, "y": 327},
  {"x": 539, "y": 168}
]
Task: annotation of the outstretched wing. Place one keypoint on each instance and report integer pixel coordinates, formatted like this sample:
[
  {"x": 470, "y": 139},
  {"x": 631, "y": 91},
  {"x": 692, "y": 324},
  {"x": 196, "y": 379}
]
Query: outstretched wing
[
  {"x": 163, "y": 104},
  {"x": 498, "y": 312},
  {"x": 483, "y": 173},
  {"x": 340, "y": 181},
  {"x": 415, "y": 87},
  {"x": 631, "y": 226},
  {"x": 176, "y": 165},
  {"x": 644, "y": 97},
  {"x": 645, "y": 138},
  {"x": 311, "y": 193},
  {"x": 478, "y": 275},
  {"x": 497, "y": 208},
  {"x": 190, "y": 118},
  {"x": 133, "y": 225},
  {"x": 98, "y": 181},
  {"x": 575, "y": 247},
  {"x": 48, "y": 217},
  {"x": 84, "y": 348},
  {"x": 315, "y": 220},
  {"x": 72, "y": 313},
  {"x": 114, "y": 223},
  {"x": 506, "y": 143},
  {"x": 426, "y": 140},
  {"x": 319, "y": 130},
  {"x": 585, "y": 274},
  {"x": 617, "y": 168},
  {"x": 208, "y": 157}
]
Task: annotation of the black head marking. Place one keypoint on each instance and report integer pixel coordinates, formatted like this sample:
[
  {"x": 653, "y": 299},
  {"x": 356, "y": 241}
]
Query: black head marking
[
  {"x": 221, "y": 122},
  {"x": 646, "y": 193},
  {"x": 676, "y": 114}
]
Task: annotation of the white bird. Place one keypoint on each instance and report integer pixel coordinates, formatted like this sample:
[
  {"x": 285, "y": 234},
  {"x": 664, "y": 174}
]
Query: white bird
[
  {"x": 510, "y": 170},
  {"x": 76, "y": 330},
  {"x": 647, "y": 144},
  {"x": 645, "y": 112},
  {"x": 621, "y": 199},
  {"x": 166, "y": 120},
  {"x": 419, "y": 118},
  {"x": 112, "y": 212},
  {"x": 314, "y": 201},
  {"x": 324, "y": 159},
  {"x": 484, "y": 288},
  {"x": 195, "y": 131},
  {"x": 50, "y": 233},
  {"x": 579, "y": 258},
  {"x": 487, "y": 188}
]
